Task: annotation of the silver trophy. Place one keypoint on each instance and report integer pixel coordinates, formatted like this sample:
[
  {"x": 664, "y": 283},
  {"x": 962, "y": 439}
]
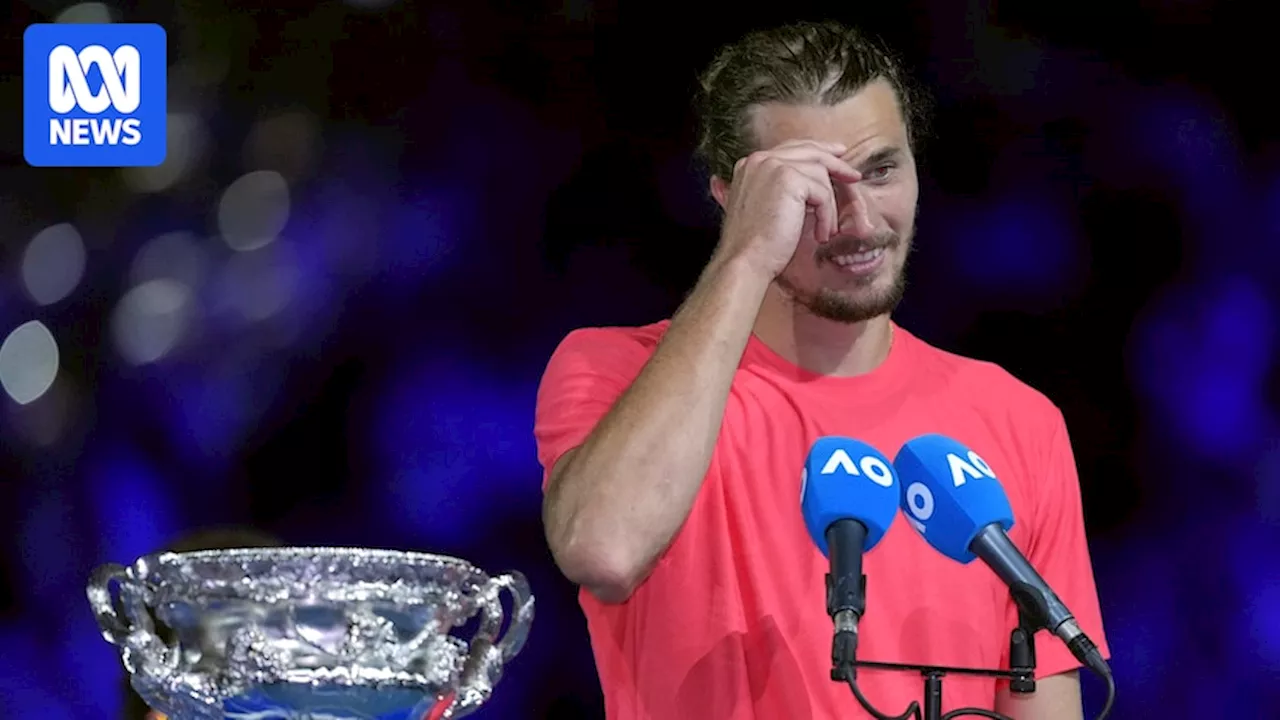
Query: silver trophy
[{"x": 310, "y": 633}]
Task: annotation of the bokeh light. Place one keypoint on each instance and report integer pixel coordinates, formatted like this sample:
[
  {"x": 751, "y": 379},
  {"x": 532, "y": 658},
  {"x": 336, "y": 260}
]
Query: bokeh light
[
  {"x": 178, "y": 256},
  {"x": 261, "y": 283},
  {"x": 253, "y": 210},
  {"x": 151, "y": 319},
  {"x": 134, "y": 504},
  {"x": 90, "y": 12},
  {"x": 1021, "y": 246},
  {"x": 442, "y": 427},
  {"x": 1227, "y": 325},
  {"x": 28, "y": 362},
  {"x": 53, "y": 263}
]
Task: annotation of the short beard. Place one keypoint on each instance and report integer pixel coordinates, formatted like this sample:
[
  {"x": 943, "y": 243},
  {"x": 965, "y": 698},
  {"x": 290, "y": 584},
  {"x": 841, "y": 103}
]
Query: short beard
[{"x": 840, "y": 307}]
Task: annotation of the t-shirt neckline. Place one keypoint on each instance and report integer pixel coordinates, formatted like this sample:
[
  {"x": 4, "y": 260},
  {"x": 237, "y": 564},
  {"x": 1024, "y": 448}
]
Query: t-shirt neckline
[{"x": 886, "y": 376}]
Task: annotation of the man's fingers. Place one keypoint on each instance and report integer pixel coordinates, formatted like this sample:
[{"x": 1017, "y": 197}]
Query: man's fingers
[
  {"x": 831, "y": 147},
  {"x": 818, "y": 166},
  {"x": 821, "y": 199},
  {"x": 835, "y": 167}
]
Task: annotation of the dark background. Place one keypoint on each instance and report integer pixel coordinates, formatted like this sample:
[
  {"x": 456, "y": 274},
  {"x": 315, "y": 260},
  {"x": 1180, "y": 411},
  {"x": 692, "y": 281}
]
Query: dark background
[{"x": 343, "y": 346}]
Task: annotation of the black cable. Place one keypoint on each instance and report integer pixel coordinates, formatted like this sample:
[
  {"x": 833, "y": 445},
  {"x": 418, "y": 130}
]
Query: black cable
[
  {"x": 975, "y": 712},
  {"x": 1111, "y": 691},
  {"x": 912, "y": 711}
]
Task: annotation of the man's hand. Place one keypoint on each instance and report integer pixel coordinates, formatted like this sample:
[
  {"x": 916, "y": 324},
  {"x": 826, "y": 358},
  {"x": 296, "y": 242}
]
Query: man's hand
[{"x": 769, "y": 197}]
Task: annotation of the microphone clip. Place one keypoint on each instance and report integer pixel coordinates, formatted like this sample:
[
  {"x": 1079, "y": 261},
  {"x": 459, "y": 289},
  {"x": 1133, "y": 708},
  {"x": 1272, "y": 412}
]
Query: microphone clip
[{"x": 1022, "y": 655}]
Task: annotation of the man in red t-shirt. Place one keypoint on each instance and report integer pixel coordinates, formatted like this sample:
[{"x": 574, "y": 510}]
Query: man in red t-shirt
[{"x": 673, "y": 451}]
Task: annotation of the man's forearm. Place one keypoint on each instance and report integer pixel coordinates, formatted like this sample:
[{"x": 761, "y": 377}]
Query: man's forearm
[
  {"x": 1057, "y": 697},
  {"x": 614, "y": 504}
]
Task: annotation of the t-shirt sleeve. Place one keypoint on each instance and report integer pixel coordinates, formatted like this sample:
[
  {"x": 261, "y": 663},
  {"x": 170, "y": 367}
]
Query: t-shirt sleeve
[
  {"x": 586, "y": 374},
  {"x": 1059, "y": 550}
]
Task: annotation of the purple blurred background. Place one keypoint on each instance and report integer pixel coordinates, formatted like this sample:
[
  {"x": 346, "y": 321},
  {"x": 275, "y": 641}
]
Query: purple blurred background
[{"x": 326, "y": 315}]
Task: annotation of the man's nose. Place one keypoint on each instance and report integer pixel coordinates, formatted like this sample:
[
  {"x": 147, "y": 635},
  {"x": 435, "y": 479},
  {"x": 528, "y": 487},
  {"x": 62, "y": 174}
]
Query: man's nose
[{"x": 856, "y": 212}]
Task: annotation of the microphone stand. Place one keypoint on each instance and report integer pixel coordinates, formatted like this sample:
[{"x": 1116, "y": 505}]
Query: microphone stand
[{"x": 1021, "y": 675}]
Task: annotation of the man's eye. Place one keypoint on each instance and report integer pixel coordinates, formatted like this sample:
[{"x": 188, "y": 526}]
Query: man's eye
[{"x": 878, "y": 173}]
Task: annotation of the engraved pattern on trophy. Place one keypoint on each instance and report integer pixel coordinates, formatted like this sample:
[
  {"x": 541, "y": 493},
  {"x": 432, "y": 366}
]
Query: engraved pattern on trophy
[{"x": 311, "y": 633}]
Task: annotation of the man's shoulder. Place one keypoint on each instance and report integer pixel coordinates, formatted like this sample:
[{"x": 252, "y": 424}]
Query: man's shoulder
[
  {"x": 987, "y": 384},
  {"x": 608, "y": 340}
]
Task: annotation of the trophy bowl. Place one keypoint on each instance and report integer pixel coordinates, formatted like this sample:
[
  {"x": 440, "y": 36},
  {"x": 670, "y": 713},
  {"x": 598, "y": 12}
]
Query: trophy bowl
[{"x": 310, "y": 633}]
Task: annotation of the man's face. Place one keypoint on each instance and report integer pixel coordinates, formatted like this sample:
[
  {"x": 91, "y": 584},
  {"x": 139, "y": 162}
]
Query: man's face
[{"x": 877, "y": 214}]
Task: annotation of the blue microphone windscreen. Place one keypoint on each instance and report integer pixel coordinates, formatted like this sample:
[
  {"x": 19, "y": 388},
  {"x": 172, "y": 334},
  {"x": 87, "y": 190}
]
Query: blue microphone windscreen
[
  {"x": 847, "y": 479},
  {"x": 949, "y": 493}
]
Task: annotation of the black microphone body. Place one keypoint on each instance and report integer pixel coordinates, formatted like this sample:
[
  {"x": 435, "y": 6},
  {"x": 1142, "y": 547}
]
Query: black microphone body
[
  {"x": 1032, "y": 594},
  {"x": 846, "y": 588}
]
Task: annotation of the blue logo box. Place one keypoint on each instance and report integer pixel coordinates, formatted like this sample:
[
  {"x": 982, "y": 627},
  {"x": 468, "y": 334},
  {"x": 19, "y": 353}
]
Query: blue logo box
[{"x": 94, "y": 95}]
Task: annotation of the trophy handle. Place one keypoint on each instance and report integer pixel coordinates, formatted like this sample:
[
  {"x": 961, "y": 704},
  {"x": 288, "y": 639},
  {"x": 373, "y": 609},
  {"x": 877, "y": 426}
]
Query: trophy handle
[
  {"x": 130, "y": 627},
  {"x": 512, "y": 641},
  {"x": 489, "y": 652},
  {"x": 116, "y": 630}
]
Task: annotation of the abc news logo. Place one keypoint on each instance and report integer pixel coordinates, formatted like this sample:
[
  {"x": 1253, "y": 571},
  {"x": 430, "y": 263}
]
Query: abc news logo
[
  {"x": 95, "y": 95},
  {"x": 121, "y": 90}
]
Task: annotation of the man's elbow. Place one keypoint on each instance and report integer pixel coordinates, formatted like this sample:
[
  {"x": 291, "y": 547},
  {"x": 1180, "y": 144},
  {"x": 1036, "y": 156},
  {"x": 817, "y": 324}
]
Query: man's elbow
[
  {"x": 601, "y": 566},
  {"x": 592, "y": 553}
]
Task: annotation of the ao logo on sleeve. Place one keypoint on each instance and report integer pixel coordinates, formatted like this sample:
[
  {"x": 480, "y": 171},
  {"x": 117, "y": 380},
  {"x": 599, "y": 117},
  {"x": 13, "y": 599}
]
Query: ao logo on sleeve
[
  {"x": 919, "y": 498},
  {"x": 94, "y": 95}
]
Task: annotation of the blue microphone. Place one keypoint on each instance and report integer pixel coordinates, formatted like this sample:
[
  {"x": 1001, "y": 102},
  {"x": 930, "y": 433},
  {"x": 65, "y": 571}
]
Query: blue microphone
[
  {"x": 953, "y": 499},
  {"x": 849, "y": 498}
]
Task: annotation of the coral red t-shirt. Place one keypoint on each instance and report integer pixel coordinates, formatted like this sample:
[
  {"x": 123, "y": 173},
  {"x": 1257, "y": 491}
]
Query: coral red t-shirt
[{"x": 732, "y": 622}]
